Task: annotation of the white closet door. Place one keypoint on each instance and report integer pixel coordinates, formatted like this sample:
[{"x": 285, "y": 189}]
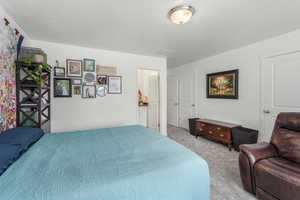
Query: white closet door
[
  {"x": 153, "y": 108},
  {"x": 186, "y": 102},
  {"x": 280, "y": 82},
  {"x": 173, "y": 101}
]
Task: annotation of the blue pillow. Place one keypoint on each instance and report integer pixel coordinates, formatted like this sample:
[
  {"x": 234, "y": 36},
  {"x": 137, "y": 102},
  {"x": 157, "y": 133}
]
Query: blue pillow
[
  {"x": 8, "y": 154},
  {"x": 23, "y": 136}
]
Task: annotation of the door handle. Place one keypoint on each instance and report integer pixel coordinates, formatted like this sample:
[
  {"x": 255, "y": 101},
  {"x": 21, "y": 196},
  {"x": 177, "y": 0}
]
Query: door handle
[
  {"x": 193, "y": 105},
  {"x": 266, "y": 111}
]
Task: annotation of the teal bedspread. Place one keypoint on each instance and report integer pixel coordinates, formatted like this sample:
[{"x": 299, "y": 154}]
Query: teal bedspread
[{"x": 123, "y": 163}]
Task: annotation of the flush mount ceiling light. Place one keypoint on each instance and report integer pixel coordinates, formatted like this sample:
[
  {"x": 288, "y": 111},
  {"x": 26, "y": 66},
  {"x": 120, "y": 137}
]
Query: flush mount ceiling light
[{"x": 181, "y": 14}]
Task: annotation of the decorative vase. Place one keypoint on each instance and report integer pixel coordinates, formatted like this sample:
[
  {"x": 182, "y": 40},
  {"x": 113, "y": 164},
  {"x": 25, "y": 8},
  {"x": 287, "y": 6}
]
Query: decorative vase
[{"x": 38, "y": 58}]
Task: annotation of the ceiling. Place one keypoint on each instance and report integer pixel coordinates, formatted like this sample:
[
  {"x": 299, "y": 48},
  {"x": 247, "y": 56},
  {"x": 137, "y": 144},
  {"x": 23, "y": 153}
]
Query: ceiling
[{"x": 142, "y": 27}]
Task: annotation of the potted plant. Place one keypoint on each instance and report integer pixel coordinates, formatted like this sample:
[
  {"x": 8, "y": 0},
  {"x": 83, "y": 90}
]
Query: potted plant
[{"x": 35, "y": 66}]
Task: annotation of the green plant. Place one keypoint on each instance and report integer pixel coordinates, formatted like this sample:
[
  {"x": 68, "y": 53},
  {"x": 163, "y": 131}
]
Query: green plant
[{"x": 36, "y": 72}]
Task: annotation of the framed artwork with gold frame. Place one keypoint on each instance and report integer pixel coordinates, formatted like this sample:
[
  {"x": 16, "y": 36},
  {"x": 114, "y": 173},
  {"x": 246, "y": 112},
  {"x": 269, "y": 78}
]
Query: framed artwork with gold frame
[{"x": 223, "y": 85}]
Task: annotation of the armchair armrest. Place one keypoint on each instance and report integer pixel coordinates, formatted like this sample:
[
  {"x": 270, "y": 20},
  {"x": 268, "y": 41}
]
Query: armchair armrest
[
  {"x": 249, "y": 155},
  {"x": 257, "y": 152}
]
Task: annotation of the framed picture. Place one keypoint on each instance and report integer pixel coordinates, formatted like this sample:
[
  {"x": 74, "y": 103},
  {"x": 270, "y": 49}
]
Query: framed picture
[
  {"x": 223, "y": 84},
  {"x": 74, "y": 68},
  {"x": 102, "y": 79},
  {"x": 106, "y": 70},
  {"x": 59, "y": 72},
  {"x": 76, "y": 81},
  {"x": 89, "y": 77},
  {"x": 88, "y": 91},
  {"x": 62, "y": 87},
  {"x": 89, "y": 65},
  {"x": 77, "y": 90},
  {"x": 114, "y": 84},
  {"x": 101, "y": 90}
]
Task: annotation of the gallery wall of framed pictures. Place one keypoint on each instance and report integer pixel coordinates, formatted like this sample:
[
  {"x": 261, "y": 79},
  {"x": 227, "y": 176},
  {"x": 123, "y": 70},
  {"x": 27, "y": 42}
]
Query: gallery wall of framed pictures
[{"x": 86, "y": 79}]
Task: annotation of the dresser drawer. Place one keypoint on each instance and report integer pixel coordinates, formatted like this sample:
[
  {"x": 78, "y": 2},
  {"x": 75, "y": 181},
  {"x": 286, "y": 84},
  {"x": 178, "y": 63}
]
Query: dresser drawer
[
  {"x": 223, "y": 133},
  {"x": 215, "y": 130},
  {"x": 201, "y": 127},
  {"x": 224, "y": 136},
  {"x": 210, "y": 133}
]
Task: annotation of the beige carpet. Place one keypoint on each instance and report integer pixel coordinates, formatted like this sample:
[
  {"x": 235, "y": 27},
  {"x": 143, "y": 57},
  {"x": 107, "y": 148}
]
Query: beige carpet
[{"x": 223, "y": 165}]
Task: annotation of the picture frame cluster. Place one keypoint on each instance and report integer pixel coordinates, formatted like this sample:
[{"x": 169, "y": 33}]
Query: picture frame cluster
[{"x": 83, "y": 78}]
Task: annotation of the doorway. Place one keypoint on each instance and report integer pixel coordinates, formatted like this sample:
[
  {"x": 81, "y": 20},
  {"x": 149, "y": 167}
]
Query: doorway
[
  {"x": 279, "y": 83},
  {"x": 181, "y": 104},
  {"x": 149, "y": 98}
]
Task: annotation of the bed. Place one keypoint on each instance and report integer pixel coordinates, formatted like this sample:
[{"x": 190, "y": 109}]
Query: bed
[{"x": 122, "y": 163}]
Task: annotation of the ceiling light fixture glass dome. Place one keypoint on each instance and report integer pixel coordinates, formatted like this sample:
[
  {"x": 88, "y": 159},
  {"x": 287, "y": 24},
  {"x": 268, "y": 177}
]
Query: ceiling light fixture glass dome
[{"x": 181, "y": 14}]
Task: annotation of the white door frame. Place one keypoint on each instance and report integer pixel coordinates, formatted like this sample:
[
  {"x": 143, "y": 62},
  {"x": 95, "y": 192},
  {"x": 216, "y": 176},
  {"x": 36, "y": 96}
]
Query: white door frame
[
  {"x": 261, "y": 96},
  {"x": 160, "y": 94}
]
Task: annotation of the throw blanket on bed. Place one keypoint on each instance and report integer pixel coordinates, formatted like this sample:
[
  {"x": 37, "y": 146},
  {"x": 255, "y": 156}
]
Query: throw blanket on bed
[{"x": 123, "y": 163}]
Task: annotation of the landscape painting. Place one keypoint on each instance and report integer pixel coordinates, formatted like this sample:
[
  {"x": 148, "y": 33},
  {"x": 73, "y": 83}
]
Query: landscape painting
[{"x": 223, "y": 85}]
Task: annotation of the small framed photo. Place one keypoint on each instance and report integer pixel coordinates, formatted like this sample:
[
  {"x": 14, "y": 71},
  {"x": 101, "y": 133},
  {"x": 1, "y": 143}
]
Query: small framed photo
[
  {"x": 74, "y": 68},
  {"x": 59, "y": 72},
  {"x": 114, "y": 85},
  {"x": 77, "y": 90},
  {"x": 88, "y": 91},
  {"x": 62, "y": 87},
  {"x": 76, "y": 81},
  {"x": 102, "y": 79},
  {"x": 89, "y": 77},
  {"x": 89, "y": 65},
  {"x": 101, "y": 90}
]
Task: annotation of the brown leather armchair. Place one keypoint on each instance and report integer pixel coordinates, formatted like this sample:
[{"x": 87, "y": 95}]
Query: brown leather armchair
[{"x": 272, "y": 170}]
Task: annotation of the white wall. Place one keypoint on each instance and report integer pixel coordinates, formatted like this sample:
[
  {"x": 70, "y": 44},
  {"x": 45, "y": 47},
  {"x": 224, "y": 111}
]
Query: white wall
[
  {"x": 245, "y": 110},
  {"x": 13, "y": 24},
  {"x": 113, "y": 110}
]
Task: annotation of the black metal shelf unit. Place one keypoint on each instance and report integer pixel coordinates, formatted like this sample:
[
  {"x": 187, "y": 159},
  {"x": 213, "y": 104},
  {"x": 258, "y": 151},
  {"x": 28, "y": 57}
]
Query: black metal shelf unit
[{"x": 33, "y": 99}]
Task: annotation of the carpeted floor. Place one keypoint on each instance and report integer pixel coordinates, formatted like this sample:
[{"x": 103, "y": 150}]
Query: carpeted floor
[{"x": 223, "y": 165}]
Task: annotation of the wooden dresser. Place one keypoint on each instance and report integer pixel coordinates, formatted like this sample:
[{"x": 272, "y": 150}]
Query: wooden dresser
[{"x": 215, "y": 130}]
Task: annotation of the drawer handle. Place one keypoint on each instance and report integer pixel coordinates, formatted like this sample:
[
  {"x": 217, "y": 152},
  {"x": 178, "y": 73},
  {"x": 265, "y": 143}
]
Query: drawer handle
[
  {"x": 210, "y": 132},
  {"x": 218, "y": 128},
  {"x": 202, "y": 124},
  {"x": 222, "y": 135},
  {"x": 200, "y": 129}
]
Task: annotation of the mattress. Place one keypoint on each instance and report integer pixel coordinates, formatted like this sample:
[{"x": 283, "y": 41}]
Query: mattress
[{"x": 122, "y": 163}]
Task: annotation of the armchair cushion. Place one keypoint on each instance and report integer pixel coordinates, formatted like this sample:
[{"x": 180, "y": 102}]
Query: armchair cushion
[
  {"x": 257, "y": 152},
  {"x": 287, "y": 143},
  {"x": 278, "y": 177},
  {"x": 288, "y": 121},
  {"x": 286, "y": 136}
]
